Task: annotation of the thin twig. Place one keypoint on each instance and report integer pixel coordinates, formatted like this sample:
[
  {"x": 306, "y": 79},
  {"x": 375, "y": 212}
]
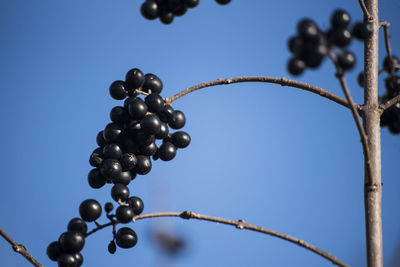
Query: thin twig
[
  {"x": 365, "y": 10},
  {"x": 389, "y": 103},
  {"x": 385, "y": 26},
  {"x": 239, "y": 224},
  {"x": 20, "y": 249},
  {"x": 346, "y": 91},
  {"x": 281, "y": 81}
]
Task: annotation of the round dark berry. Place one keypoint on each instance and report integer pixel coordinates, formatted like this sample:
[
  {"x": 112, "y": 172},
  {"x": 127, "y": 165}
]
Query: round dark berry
[
  {"x": 222, "y": 2},
  {"x": 167, "y": 151},
  {"x": 392, "y": 84},
  {"x": 154, "y": 102},
  {"x": 150, "y": 9},
  {"x": 108, "y": 207},
  {"x": 175, "y": 5},
  {"x": 54, "y": 250},
  {"x": 112, "y": 151},
  {"x": 143, "y": 165},
  {"x": 95, "y": 179},
  {"x": 123, "y": 178},
  {"x": 150, "y": 124},
  {"x": 96, "y": 159},
  {"x": 124, "y": 214},
  {"x": 72, "y": 241},
  {"x": 362, "y": 30},
  {"x": 119, "y": 192},
  {"x": 180, "y": 139},
  {"x": 118, "y": 90},
  {"x": 295, "y": 44},
  {"x": 113, "y": 132},
  {"x": 387, "y": 63},
  {"x": 178, "y": 120},
  {"x": 142, "y": 139},
  {"x": 136, "y": 204},
  {"x": 295, "y": 66},
  {"x": 129, "y": 146},
  {"x": 118, "y": 114},
  {"x": 360, "y": 79},
  {"x": 137, "y": 108},
  {"x": 128, "y": 161},
  {"x": 166, "y": 114},
  {"x": 132, "y": 127},
  {"x": 167, "y": 17},
  {"x": 149, "y": 150},
  {"x": 312, "y": 54},
  {"x": 340, "y": 18},
  {"x": 110, "y": 168},
  {"x": 191, "y": 3},
  {"x": 126, "y": 237},
  {"x": 67, "y": 260},
  {"x": 346, "y": 60},
  {"x": 90, "y": 210},
  {"x": 180, "y": 11},
  {"x": 112, "y": 247},
  {"x": 101, "y": 142},
  {"x": 77, "y": 224},
  {"x": 307, "y": 29},
  {"x": 134, "y": 78},
  {"x": 79, "y": 259},
  {"x": 152, "y": 83},
  {"x": 339, "y": 36},
  {"x": 163, "y": 133}
]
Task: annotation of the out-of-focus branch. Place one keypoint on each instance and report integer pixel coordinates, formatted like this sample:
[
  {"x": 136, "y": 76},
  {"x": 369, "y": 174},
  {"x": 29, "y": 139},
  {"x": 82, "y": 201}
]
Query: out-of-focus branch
[{"x": 20, "y": 249}]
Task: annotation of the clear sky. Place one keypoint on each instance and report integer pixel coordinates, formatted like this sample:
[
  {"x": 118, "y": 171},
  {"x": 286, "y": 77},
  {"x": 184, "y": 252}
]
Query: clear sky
[{"x": 274, "y": 156}]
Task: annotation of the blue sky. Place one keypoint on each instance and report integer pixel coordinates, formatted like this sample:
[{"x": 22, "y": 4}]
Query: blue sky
[{"x": 274, "y": 156}]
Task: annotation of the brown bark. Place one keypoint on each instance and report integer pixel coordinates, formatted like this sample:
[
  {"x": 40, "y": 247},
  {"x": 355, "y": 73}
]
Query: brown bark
[{"x": 371, "y": 116}]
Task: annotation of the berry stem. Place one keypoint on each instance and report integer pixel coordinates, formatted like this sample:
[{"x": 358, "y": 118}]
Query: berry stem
[
  {"x": 365, "y": 10},
  {"x": 239, "y": 224},
  {"x": 385, "y": 26},
  {"x": 281, "y": 81},
  {"x": 342, "y": 80},
  {"x": 20, "y": 249}
]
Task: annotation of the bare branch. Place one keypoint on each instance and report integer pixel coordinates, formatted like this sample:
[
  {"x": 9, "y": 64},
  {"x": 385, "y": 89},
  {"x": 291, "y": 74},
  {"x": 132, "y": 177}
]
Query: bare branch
[
  {"x": 239, "y": 224},
  {"x": 281, "y": 81},
  {"x": 365, "y": 10},
  {"x": 20, "y": 249},
  {"x": 389, "y": 103},
  {"x": 363, "y": 135}
]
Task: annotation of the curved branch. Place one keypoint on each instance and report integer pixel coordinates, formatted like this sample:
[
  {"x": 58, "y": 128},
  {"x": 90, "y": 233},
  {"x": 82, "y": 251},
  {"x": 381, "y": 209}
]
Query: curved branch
[
  {"x": 239, "y": 224},
  {"x": 20, "y": 249},
  {"x": 282, "y": 81},
  {"x": 365, "y": 10}
]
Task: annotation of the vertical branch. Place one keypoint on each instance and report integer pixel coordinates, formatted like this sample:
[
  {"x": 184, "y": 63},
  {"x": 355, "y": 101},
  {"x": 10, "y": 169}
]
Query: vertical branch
[{"x": 372, "y": 181}]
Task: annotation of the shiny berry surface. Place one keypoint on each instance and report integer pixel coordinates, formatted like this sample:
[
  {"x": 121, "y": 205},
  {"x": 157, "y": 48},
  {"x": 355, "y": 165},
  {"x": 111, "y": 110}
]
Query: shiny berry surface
[
  {"x": 90, "y": 210},
  {"x": 126, "y": 237}
]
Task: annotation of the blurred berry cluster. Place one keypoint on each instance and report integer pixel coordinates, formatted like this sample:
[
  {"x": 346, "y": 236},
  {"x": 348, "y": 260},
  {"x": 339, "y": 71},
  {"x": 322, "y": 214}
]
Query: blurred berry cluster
[
  {"x": 166, "y": 10},
  {"x": 310, "y": 46},
  {"x": 138, "y": 130}
]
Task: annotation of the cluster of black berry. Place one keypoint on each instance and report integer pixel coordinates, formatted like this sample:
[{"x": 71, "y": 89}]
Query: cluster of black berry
[
  {"x": 311, "y": 44},
  {"x": 125, "y": 147},
  {"x": 166, "y": 10},
  {"x": 391, "y": 116}
]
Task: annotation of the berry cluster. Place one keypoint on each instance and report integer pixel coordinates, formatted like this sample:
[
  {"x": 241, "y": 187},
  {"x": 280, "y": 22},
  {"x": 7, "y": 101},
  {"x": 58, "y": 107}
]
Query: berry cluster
[
  {"x": 310, "y": 46},
  {"x": 126, "y": 146},
  {"x": 391, "y": 116},
  {"x": 166, "y": 10}
]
